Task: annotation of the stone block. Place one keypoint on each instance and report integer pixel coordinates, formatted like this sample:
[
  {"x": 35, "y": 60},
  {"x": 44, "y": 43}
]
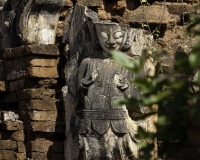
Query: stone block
[
  {"x": 21, "y": 147},
  {"x": 2, "y": 85},
  {"x": 51, "y": 50},
  {"x": 152, "y": 15},
  {"x": 10, "y": 116},
  {"x": 38, "y": 93},
  {"x": 40, "y": 105},
  {"x": 45, "y": 126},
  {"x": 180, "y": 8},
  {"x": 45, "y": 156},
  {"x": 31, "y": 61},
  {"x": 50, "y": 136},
  {"x": 7, "y": 155},
  {"x": 31, "y": 83},
  {"x": 45, "y": 146},
  {"x": 8, "y": 145},
  {"x": 39, "y": 72},
  {"x": 18, "y": 136},
  {"x": 37, "y": 155},
  {"x": 93, "y": 3},
  {"x": 68, "y": 3},
  {"x": 21, "y": 156},
  {"x": 2, "y": 75},
  {"x": 12, "y": 126},
  {"x": 41, "y": 116}
]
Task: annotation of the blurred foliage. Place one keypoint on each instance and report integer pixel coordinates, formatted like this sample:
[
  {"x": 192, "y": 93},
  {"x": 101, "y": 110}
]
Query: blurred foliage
[{"x": 176, "y": 93}]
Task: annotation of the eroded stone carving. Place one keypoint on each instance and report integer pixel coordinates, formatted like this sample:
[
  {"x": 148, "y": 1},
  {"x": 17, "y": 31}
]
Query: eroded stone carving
[
  {"x": 30, "y": 21},
  {"x": 95, "y": 129}
]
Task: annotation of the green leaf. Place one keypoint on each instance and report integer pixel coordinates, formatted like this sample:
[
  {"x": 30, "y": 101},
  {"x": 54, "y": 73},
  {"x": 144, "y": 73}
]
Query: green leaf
[
  {"x": 155, "y": 98},
  {"x": 194, "y": 59},
  {"x": 143, "y": 83},
  {"x": 124, "y": 61},
  {"x": 132, "y": 101},
  {"x": 178, "y": 84},
  {"x": 162, "y": 120}
]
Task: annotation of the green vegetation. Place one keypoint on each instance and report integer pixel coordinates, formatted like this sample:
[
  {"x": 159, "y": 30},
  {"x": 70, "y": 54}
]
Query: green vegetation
[{"x": 175, "y": 93}]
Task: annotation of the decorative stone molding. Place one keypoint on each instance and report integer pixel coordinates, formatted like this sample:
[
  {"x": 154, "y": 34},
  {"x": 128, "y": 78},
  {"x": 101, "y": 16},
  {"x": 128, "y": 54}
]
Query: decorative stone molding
[{"x": 30, "y": 21}]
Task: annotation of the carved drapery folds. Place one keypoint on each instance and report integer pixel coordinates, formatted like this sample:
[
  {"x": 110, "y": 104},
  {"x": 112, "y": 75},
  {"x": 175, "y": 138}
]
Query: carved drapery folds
[
  {"x": 30, "y": 21},
  {"x": 95, "y": 129}
]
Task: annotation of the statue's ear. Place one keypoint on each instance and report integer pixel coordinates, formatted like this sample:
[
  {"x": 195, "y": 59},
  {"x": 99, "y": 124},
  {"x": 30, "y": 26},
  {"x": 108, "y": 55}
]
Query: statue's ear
[
  {"x": 130, "y": 34},
  {"x": 93, "y": 35}
]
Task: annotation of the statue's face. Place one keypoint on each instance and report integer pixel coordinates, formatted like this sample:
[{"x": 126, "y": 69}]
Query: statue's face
[{"x": 110, "y": 36}]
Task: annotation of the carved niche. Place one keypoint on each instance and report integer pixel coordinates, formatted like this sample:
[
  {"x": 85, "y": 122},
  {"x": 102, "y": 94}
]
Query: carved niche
[
  {"x": 29, "y": 21},
  {"x": 95, "y": 129}
]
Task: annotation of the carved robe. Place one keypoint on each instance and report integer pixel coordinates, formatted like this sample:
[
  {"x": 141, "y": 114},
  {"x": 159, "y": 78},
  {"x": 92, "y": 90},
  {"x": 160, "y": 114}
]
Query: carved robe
[{"x": 106, "y": 131}]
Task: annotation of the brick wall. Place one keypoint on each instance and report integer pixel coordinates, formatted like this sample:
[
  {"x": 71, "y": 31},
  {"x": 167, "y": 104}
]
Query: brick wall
[{"x": 32, "y": 122}]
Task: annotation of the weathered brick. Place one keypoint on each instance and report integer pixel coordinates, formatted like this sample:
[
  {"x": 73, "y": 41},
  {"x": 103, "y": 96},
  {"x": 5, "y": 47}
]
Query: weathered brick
[
  {"x": 30, "y": 83},
  {"x": 21, "y": 51},
  {"x": 21, "y": 156},
  {"x": 151, "y": 17},
  {"x": 40, "y": 104},
  {"x": 180, "y": 8},
  {"x": 37, "y": 155},
  {"x": 45, "y": 146},
  {"x": 40, "y": 72},
  {"x": 45, "y": 156},
  {"x": 68, "y": 3},
  {"x": 21, "y": 147},
  {"x": 7, "y": 155},
  {"x": 93, "y": 3},
  {"x": 2, "y": 75},
  {"x": 45, "y": 126},
  {"x": 8, "y": 145},
  {"x": 2, "y": 86},
  {"x": 31, "y": 61},
  {"x": 38, "y": 93},
  {"x": 12, "y": 126},
  {"x": 51, "y": 136},
  {"x": 41, "y": 115},
  {"x": 18, "y": 136}
]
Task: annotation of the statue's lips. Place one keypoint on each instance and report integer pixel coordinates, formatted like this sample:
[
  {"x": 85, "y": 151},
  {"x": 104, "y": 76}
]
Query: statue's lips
[{"x": 111, "y": 47}]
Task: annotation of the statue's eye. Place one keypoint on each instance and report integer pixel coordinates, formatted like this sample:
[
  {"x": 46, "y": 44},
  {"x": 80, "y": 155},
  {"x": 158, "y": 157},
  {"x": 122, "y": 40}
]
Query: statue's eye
[
  {"x": 104, "y": 35},
  {"x": 118, "y": 35}
]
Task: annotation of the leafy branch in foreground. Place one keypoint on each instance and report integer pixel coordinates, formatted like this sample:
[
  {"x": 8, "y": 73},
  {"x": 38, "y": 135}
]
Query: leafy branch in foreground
[{"x": 173, "y": 92}]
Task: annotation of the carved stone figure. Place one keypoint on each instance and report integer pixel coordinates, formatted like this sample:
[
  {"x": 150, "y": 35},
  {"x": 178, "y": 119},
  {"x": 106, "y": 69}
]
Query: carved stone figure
[
  {"x": 98, "y": 129},
  {"x": 106, "y": 131}
]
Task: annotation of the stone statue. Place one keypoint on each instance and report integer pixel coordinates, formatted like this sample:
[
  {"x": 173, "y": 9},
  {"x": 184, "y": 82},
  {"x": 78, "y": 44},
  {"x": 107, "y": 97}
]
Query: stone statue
[
  {"x": 106, "y": 131},
  {"x": 97, "y": 129}
]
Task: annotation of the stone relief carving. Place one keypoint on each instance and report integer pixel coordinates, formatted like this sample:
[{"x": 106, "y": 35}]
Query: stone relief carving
[
  {"x": 95, "y": 129},
  {"x": 30, "y": 21}
]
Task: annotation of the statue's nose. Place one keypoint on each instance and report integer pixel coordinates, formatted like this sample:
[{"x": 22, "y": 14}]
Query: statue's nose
[{"x": 111, "y": 41}]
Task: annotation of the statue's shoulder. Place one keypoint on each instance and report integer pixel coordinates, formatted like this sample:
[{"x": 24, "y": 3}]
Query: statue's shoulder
[{"x": 90, "y": 60}]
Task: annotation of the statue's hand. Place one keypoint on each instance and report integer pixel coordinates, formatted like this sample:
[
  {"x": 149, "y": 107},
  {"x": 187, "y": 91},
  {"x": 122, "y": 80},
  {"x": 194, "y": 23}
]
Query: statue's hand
[
  {"x": 91, "y": 75},
  {"x": 121, "y": 82},
  {"x": 64, "y": 90}
]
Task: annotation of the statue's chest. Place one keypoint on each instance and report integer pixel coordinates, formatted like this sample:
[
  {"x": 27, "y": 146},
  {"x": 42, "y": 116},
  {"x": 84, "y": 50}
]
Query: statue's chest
[{"x": 104, "y": 89}]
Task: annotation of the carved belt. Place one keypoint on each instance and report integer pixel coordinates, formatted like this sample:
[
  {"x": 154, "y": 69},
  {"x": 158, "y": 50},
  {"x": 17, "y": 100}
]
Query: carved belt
[{"x": 105, "y": 114}]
